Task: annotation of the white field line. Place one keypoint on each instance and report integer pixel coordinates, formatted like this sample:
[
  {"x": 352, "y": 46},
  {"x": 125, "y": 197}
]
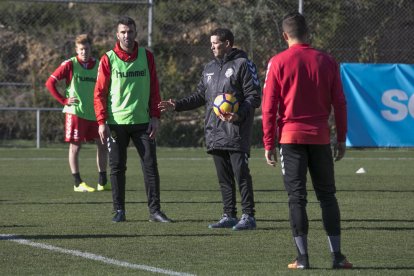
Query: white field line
[{"x": 91, "y": 256}]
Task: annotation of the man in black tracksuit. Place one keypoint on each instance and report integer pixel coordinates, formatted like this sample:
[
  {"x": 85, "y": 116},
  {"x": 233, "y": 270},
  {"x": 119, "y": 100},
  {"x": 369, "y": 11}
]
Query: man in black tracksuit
[{"x": 228, "y": 137}]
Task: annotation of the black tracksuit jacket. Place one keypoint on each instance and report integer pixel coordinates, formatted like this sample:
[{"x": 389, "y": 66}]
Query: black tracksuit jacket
[{"x": 236, "y": 74}]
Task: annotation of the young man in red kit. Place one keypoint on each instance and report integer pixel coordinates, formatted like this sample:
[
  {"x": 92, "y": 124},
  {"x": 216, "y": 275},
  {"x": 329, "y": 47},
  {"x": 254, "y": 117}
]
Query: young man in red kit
[
  {"x": 126, "y": 106},
  {"x": 79, "y": 72},
  {"x": 301, "y": 88}
]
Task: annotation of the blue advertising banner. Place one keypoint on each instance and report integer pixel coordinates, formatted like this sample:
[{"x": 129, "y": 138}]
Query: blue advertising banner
[{"x": 380, "y": 101}]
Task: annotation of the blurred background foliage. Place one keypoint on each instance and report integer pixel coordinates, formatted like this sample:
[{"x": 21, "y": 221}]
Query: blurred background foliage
[{"x": 36, "y": 36}]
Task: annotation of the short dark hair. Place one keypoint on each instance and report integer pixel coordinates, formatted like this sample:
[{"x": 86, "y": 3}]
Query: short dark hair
[
  {"x": 294, "y": 24},
  {"x": 223, "y": 35},
  {"x": 126, "y": 20}
]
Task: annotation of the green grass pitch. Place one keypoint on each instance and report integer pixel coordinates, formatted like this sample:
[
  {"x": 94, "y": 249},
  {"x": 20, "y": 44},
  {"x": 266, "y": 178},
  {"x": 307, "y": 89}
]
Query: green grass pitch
[{"x": 38, "y": 205}]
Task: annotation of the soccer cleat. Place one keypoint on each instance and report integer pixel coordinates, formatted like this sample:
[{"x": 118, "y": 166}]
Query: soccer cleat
[
  {"x": 159, "y": 216},
  {"x": 297, "y": 265},
  {"x": 119, "y": 216},
  {"x": 246, "y": 222},
  {"x": 341, "y": 263},
  {"x": 225, "y": 222},
  {"x": 106, "y": 187},
  {"x": 83, "y": 188}
]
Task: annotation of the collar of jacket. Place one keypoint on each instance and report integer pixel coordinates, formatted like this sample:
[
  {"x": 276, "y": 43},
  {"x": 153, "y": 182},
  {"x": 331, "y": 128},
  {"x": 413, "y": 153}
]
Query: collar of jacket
[{"x": 233, "y": 54}]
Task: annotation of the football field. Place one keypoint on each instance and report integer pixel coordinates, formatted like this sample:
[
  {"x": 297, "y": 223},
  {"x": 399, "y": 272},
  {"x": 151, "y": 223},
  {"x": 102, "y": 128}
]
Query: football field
[{"x": 47, "y": 229}]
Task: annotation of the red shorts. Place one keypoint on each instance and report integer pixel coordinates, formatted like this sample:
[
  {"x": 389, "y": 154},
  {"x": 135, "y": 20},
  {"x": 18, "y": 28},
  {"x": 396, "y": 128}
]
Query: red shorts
[{"x": 80, "y": 130}]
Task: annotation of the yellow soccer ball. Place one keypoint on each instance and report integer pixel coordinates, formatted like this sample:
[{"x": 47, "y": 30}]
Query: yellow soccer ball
[{"x": 225, "y": 103}]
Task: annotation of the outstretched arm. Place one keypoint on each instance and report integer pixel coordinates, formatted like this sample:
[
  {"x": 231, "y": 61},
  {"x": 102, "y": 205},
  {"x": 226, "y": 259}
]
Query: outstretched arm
[{"x": 167, "y": 105}]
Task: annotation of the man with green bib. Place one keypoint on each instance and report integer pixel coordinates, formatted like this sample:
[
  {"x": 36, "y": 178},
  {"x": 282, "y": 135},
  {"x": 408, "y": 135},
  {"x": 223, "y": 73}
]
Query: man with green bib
[
  {"x": 126, "y": 106},
  {"x": 80, "y": 121}
]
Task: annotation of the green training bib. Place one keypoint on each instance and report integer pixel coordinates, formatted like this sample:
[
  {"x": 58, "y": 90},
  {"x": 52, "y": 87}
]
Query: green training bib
[
  {"x": 82, "y": 87},
  {"x": 129, "y": 93}
]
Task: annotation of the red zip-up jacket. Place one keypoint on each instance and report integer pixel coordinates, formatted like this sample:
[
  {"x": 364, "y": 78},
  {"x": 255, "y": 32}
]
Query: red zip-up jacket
[
  {"x": 301, "y": 87},
  {"x": 104, "y": 79}
]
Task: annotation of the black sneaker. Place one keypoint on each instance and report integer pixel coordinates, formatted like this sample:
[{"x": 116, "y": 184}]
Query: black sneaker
[
  {"x": 225, "y": 222},
  {"x": 246, "y": 222},
  {"x": 340, "y": 262},
  {"x": 159, "y": 216},
  {"x": 119, "y": 216}
]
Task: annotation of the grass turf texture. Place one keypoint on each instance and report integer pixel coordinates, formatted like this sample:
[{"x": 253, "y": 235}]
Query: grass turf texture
[{"x": 37, "y": 203}]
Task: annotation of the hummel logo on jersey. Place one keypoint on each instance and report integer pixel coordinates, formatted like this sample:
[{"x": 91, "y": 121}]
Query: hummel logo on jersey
[
  {"x": 131, "y": 74},
  {"x": 80, "y": 78},
  {"x": 253, "y": 71}
]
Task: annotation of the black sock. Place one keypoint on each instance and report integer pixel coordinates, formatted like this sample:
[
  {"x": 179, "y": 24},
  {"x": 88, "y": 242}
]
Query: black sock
[
  {"x": 102, "y": 178},
  {"x": 335, "y": 243},
  {"x": 337, "y": 256},
  {"x": 303, "y": 259},
  {"x": 77, "y": 178}
]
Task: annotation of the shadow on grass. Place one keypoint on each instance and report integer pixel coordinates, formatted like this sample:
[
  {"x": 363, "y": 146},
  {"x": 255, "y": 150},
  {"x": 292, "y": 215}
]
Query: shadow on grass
[
  {"x": 357, "y": 228},
  {"x": 379, "y": 228},
  {"x": 377, "y": 191},
  {"x": 131, "y": 202},
  {"x": 283, "y": 190},
  {"x": 382, "y": 268},
  {"x": 17, "y": 226},
  {"x": 356, "y": 268}
]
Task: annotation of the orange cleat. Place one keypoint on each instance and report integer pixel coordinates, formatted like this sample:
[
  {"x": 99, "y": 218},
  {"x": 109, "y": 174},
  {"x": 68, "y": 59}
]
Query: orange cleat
[{"x": 297, "y": 265}]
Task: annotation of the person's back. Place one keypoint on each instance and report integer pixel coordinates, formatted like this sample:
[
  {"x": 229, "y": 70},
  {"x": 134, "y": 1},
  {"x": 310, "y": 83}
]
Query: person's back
[
  {"x": 302, "y": 87},
  {"x": 308, "y": 85}
]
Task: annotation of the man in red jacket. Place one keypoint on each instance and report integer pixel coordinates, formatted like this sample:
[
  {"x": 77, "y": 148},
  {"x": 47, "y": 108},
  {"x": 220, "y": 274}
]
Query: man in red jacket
[
  {"x": 80, "y": 122},
  {"x": 302, "y": 86},
  {"x": 126, "y": 106}
]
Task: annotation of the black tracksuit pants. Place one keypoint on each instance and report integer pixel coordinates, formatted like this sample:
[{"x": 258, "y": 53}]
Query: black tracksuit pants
[
  {"x": 295, "y": 160},
  {"x": 146, "y": 148},
  {"x": 231, "y": 167}
]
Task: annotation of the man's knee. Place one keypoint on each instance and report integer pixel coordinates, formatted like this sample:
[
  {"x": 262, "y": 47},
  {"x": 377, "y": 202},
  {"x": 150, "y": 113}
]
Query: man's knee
[
  {"x": 327, "y": 200},
  {"x": 298, "y": 199}
]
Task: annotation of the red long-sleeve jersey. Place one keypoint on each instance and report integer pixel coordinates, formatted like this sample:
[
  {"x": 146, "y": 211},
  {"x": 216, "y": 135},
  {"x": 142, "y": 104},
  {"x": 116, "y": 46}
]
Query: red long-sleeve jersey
[
  {"x": 64, "y": 72},
  {"x": 104, "y": 78},
  {"x": 301, "y": 87}
]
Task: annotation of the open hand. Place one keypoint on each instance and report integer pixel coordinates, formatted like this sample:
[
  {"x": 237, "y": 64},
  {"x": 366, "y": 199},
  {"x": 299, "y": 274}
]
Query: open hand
[
  {"x": 229, "y": 117},
  {"x": 167, "y": 105}
]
